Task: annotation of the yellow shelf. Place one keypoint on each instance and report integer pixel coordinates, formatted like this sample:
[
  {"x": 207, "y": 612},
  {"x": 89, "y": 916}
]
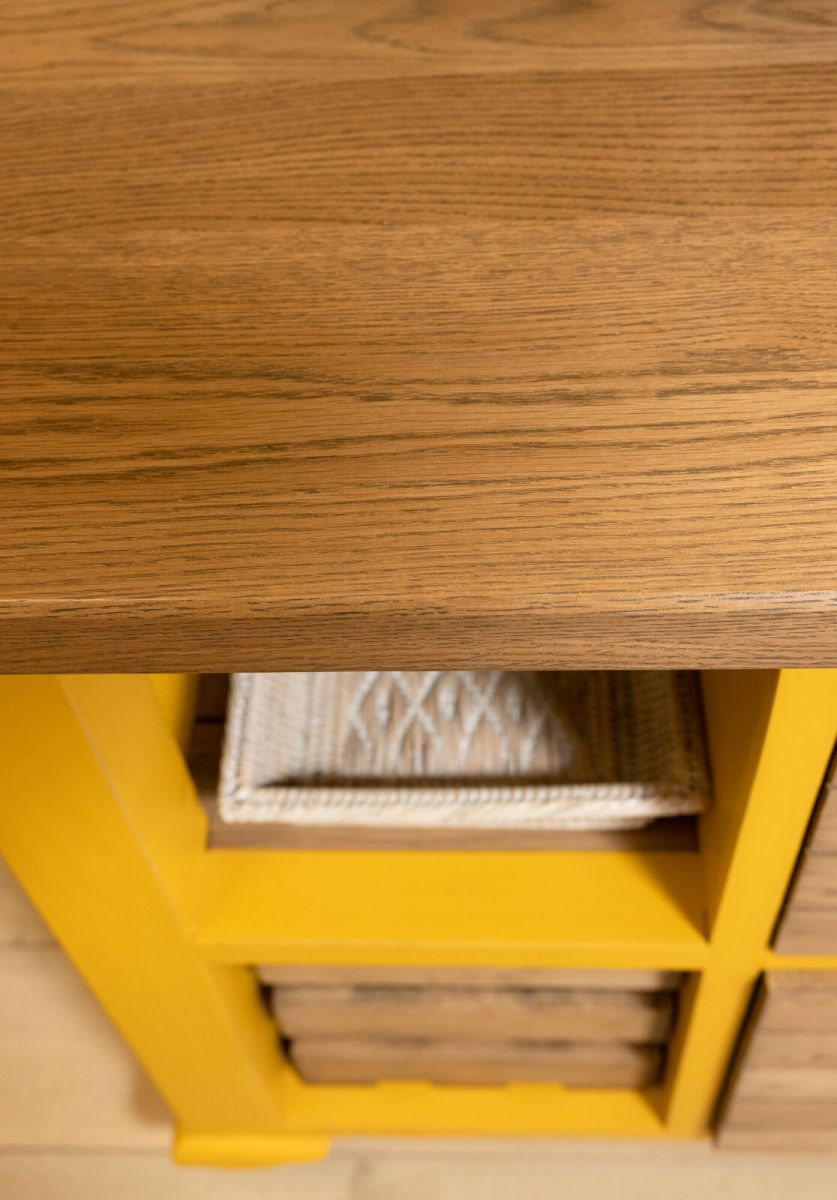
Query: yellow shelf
[
  {"x": 516, "y": 1110},
  {"x": 799, "y": 962},
  {"x": 491, "y": 909}
]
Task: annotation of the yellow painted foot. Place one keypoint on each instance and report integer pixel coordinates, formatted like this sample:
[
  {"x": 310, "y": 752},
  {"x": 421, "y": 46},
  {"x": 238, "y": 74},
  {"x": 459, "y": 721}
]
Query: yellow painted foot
[{"x": 243, "y": 1150}]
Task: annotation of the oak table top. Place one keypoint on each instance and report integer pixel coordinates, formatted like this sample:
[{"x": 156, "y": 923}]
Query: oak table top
[{"x": 386, "y": 334}]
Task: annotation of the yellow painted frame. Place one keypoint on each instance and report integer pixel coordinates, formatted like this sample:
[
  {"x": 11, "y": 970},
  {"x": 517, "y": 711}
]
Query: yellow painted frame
[{"x": 100, "y": 821}]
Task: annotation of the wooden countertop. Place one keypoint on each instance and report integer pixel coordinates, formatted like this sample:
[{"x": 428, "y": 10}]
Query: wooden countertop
[{"x": 387, "y": 334}]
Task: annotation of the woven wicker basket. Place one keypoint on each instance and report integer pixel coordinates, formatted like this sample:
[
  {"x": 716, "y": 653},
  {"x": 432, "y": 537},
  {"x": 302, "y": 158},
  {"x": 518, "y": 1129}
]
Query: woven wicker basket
[{"x": 463, "y": 749}]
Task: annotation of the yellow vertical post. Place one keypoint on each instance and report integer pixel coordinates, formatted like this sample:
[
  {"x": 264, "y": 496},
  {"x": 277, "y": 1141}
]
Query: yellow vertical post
[
  {"x": 99, "y": 820},
  {"x": 771, "y": 734},
  {"x": 177, "y": 695}
]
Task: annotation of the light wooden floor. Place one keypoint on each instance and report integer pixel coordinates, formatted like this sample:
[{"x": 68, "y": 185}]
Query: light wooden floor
[{"x": 77, "y": 1118}]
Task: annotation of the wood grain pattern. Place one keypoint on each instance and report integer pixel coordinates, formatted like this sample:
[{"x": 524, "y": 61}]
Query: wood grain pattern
[
  {"x": 786, "y": 1117},
  {"x": 800, "y": 1001},
  {"x": 808, "y": 931},
  {"x": 783, "y": 1088},
  {"x": 791, "y": 1134},
  {"x": 816, "y": 887},
  {"x": 793, "y": 1048},
  {"x": 797, "y": 1082},
  {"x": 342, "y": 974},
  {"x": 380, "y": 335},
  {"x": 473, "y": 1013},
  {"x": 824, "y": 839},
  {"x": 235, "y": 39},
  {"x": 808, "y": 924},
  {"x": 360, "y": 1061}
]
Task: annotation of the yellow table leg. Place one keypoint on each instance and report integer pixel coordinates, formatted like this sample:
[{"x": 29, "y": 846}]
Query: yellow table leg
[
  {"x": 771, "y": 734},
  {"x": 177, "y": 696},
  {"x": 99, "y": 821}
]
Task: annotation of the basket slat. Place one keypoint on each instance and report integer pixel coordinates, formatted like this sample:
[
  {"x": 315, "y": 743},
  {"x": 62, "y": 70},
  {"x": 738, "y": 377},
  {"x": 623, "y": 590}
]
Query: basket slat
[{"x": 359, "y": 1061}]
